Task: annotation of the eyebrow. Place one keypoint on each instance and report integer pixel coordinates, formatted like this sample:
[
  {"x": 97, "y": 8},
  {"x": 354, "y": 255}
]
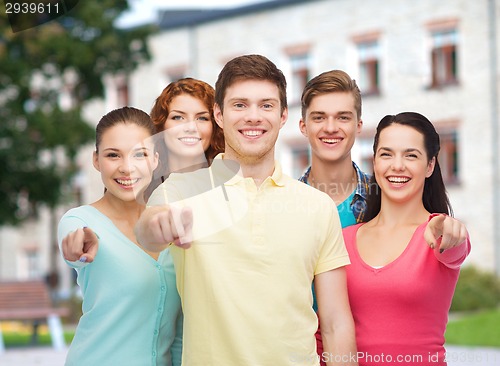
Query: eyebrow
[
  {"x": 136, "y": 149},
  {"x": 183, "y": 112},
  {"x": 236, "y": 99},
  {"x": 411, "y": 149},
  {"x": 338, "y": 113},
  {"x": 270, "y": 100}
]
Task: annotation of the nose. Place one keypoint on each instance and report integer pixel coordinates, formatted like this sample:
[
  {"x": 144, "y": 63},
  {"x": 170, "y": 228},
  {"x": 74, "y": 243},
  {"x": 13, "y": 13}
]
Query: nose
[
  {"x": 253, "y": 114},
  {"x": 331, "y": 125},
  {"x": 190, "y": 127},
  {"x": 126, "y": 166},
  {"x": 398, "y": 163}
]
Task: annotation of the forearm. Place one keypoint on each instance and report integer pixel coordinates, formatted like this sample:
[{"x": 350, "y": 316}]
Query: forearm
[
  {"x": 336, "y": 321},
  {"x": 454, "y": 257},
  {"x": 339, "y": 343}
]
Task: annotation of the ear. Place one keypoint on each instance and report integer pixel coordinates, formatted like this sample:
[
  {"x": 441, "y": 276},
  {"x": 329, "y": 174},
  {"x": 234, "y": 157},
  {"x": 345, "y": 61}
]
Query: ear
[
  {"x": 430, "y": 167},
  {"x": 95, "y": 161},
  {"x": 303, "y": 127},
  {"x": 156, "y": 160},
  {"x": 359, "y": 126},
  {"x": 218, "y": 116},
  {"x": 284, "y": 117}
]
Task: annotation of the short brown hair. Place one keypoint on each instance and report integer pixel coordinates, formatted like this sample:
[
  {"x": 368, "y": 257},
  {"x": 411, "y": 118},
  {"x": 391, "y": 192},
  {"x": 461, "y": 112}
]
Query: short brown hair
[
  {"x": 249, "y": 67},
  {"x": 330, "y": 82}
]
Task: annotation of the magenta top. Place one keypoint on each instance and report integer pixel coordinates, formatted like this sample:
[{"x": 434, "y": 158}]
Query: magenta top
[{"x": 401, "y": 310}]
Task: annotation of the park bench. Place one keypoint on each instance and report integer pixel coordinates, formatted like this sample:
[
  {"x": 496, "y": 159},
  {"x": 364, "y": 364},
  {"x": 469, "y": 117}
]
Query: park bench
[{"x": 31, "y": 301}]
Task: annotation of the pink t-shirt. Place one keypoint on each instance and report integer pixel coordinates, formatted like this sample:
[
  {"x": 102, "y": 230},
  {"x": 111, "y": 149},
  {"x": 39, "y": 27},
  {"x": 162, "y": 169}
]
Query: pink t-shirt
[{"x": 401, "y": 309}]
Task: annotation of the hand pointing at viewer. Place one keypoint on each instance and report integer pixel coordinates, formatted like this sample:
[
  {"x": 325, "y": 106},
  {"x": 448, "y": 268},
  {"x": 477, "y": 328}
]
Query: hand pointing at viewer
[
  {"x": 445, "y": 232},
  {"x": 161, "y": 226},
  {"x": 81, "y": 244}
]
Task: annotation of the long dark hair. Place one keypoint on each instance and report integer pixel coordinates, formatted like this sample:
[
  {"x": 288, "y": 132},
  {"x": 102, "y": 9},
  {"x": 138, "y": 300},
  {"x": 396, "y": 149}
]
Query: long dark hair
[
  {"x": 125, "y": 115},
  {"x": 434, "y": 198}
]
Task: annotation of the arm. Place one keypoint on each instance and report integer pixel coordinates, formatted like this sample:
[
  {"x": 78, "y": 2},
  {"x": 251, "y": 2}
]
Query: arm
[
  {"x": 337, "y": 324},
  {"x": 163, "y": 223},
  {"x": 159, "y": 226},
  {"x": 78, "y": 244},
  {"x": 448, "y": 238}
]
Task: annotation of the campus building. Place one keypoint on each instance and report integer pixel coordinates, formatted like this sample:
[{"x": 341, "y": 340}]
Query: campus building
[{"x": 439, "y": 58}]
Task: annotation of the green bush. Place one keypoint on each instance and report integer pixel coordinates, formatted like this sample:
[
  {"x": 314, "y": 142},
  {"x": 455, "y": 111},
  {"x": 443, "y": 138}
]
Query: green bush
[{"x": 476, "y": 289}]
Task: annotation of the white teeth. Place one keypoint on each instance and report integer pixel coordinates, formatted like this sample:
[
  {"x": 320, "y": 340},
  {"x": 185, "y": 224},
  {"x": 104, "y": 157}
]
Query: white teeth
[
  {"x": 190, "y": 140},
  {"x": 127, "y": 182},
  {"x": 398, "y": 179},
  {"x": 252, "y": 132},
  {"x": 331, "y": 141}
]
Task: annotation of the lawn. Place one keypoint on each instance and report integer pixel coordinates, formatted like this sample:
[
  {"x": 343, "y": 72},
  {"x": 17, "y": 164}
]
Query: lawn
[
  {"x": 17, "y": 334},
  {"x": 478, "y": 329},
  {"x": 24, "y": 339}
]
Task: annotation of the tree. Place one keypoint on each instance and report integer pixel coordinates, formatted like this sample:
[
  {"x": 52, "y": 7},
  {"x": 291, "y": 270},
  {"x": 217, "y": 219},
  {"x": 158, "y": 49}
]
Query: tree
[{"x": 62, "y": 60}]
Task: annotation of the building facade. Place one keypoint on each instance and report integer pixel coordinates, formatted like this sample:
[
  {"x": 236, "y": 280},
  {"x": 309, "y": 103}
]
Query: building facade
[{"x": 439, "y": 58}]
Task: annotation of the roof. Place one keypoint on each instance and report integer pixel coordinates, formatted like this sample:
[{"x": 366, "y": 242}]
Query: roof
[{"x": 170, "y": 19}]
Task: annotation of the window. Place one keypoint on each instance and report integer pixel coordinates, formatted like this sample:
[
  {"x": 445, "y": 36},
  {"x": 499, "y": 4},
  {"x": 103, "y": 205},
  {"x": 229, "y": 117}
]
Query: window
[
  {"x": 117, "y": 88},
  {"x": 300, "y": 76},
  {"x": 369, "y": 81},
  {"x": 444, "y": 58},
  {"x": 448, "y": 156},
  {"x": 79, "y": 181},
  {"x": 363, "y": 152},
  {"x": 170, "y": 74},
  {"x": 33, "y": 260},
  {"x": 175, "y": 76},
  {"x": 173, "y": 73},
  {"x": 300, "y": 159},
  {"x": 122, "y": 93}
]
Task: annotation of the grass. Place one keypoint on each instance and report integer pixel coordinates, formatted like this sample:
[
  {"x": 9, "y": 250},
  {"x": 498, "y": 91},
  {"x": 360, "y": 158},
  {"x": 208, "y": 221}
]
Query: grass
[
  {"x": 17, "y": 334},
  {"x": 18, "y": 339},
  {"x": 478, "y": 329}
]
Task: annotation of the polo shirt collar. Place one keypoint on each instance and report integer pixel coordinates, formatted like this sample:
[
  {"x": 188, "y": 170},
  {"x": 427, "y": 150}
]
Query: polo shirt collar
[{"x": 277, "y": 177}]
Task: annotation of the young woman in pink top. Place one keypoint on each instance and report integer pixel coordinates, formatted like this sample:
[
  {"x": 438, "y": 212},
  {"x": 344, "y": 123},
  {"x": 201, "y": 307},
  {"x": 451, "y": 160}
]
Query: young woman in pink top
[{"x": 404, "y": 270}]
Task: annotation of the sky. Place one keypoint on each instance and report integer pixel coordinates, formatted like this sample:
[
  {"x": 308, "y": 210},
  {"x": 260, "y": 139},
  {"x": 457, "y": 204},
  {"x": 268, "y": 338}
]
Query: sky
[{"x": 144, "y": 11}]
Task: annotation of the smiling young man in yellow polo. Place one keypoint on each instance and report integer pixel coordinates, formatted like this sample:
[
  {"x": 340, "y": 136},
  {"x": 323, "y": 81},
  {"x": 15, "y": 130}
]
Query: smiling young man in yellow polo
[{"x": 256, "y": 241}]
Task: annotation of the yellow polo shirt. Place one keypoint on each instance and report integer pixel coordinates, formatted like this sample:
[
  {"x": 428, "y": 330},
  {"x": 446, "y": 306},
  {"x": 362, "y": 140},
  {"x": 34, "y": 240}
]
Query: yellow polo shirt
[{"x": 245, "y": 283}]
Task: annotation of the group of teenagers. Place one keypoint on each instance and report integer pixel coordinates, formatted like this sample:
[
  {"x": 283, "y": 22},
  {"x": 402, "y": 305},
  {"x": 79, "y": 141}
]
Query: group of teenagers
[{"x": 203, "y": 252}]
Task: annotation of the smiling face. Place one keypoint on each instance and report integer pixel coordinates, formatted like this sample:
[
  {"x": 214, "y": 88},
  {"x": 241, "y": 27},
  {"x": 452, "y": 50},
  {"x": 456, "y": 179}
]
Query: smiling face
[
  {"x": 331, "y": 124},
  {"x": 187, "y": 129},
  {"x": 251, "y": 120},
  {"x": 401, "y": 164},
  {"x": 125, "y": 160}
]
